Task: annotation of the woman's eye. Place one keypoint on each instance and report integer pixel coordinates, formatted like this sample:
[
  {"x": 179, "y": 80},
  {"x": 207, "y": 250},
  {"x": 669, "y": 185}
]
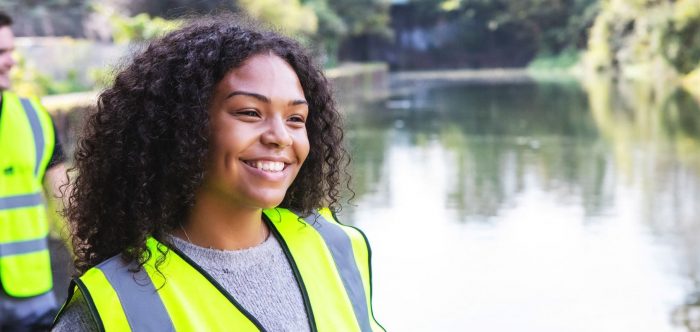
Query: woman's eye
[
  {"x": 297, "y": 118},
  {"x": 247, "y": 113}
]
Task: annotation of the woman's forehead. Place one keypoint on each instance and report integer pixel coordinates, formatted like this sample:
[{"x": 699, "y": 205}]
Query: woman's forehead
[{"x": 263, "y": 74}]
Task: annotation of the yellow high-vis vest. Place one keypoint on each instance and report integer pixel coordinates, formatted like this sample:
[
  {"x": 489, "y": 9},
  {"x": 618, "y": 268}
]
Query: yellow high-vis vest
[
  {"x": 330, "y": 261},
  {"x": 26, "y": 146}
]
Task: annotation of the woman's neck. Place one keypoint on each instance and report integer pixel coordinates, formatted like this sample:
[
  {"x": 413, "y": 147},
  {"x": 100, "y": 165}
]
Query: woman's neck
[{"x": 214, "y": 222}]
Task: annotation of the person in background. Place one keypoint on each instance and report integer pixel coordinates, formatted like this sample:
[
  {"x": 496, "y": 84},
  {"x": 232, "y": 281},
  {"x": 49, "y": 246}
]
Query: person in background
[
  {"x": 205, "y": 193},
  {"x": 31, "y": 172}
]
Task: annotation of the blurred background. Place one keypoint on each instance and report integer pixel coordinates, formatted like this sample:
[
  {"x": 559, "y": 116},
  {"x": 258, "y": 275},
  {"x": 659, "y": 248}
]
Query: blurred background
[{"x": 518, "y": 165}]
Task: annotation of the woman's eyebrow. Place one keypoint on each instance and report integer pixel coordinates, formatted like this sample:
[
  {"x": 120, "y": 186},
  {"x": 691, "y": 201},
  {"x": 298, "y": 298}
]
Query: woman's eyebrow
[
  {"x": 263, "y": 98},
  {"x": 249, "y": 94}
]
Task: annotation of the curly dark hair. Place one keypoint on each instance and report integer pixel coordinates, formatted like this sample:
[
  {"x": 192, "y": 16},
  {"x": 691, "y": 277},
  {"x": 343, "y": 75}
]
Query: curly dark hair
[{"x": 142, "y": 154}]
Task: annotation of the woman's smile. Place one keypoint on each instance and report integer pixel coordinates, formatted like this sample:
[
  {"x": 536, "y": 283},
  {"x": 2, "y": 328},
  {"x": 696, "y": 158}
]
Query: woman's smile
[
  {"x": 268, "y": 169},
  {"x": 266, "y": 165}
]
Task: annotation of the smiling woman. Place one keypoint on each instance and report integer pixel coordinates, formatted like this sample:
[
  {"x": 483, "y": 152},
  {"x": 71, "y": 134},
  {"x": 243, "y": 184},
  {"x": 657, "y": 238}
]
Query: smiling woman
[
  {"x": 258, "y": 145},
  {"x": 205, "y": 193}
]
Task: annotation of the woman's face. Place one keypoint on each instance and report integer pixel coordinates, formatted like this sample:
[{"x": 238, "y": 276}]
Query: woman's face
[{"x": 258, "y": 133}]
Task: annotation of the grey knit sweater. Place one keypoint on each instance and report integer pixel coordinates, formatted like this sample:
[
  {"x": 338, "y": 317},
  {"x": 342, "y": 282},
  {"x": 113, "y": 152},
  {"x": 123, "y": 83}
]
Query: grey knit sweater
[{"x": 259, "y": 278}]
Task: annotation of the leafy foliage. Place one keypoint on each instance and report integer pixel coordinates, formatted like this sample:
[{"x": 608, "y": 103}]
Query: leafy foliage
[
  {"x": 364, "y": 16},
  {"x": 642, "y": 38},
  {"x": 563, "y": 60},
  {"x": 323, "y": 24},
  {"x": 141, "y": 27},
  {"x": 28, "y": 81},
  {"x": 293, "y": 17},
  {"x": 682, "y": 40},
  {"x": 523, "y": 28}
]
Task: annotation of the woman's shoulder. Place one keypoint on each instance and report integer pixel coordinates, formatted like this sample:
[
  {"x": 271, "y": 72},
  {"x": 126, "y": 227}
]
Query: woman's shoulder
[{"x": 75, "y": 316}]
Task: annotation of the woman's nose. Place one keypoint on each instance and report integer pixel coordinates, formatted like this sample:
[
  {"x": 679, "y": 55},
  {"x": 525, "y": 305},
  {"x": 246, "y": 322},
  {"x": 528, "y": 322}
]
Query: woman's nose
[{"x": 277, "y": 133}]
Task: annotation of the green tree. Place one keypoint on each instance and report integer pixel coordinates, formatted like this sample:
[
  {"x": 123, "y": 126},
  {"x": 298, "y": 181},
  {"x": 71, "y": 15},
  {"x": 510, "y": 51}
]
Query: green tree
[
  {"x": 341, "y": 20},
  {"x": 681, "y": 42},
  {"x": 322, "y": 24},
  {"x": 332, "y": 29},
  {"x": 644, "y": 39},
  {"x": 364, "y": 16},
  {"x": 292, "y": 17},
  {"x": 140, "y": 27},
  {"x": 546, "y": 27}
]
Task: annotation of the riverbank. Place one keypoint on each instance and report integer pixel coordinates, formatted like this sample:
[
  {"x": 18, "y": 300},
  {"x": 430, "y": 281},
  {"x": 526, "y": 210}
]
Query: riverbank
[{"x": 486, "y": 75}]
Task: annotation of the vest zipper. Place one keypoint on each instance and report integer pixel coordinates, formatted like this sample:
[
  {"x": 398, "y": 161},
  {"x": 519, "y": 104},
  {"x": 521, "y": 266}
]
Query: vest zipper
[{"x": 297, "y": 274}]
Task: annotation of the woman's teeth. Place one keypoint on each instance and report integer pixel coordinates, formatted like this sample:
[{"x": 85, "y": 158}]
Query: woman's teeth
[{"x": 268, "y": 166}]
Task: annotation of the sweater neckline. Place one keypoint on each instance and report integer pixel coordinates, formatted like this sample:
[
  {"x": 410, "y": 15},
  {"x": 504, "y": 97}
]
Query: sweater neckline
[{"x": 218, "y": 259}]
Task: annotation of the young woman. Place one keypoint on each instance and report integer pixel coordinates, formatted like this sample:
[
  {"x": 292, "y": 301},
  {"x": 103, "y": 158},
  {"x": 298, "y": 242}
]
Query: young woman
[{"x": 196, "y": 204}]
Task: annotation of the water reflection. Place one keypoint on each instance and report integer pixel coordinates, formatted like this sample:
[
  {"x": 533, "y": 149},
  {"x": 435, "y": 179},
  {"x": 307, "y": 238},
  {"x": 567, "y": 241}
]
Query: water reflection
[
  {"x": 602, "y": 177},
  {"x": 657, "y": 143},
  {"x": 495, "y": 134}
]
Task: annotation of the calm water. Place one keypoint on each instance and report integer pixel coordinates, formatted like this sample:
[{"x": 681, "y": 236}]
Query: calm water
[{"x": 522, "y": 206}]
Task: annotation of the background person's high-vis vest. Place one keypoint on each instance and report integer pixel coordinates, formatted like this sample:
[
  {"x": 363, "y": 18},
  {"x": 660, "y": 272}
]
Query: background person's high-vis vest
[
  {"x": 26, "y": 145},
  {"x": 330, "y": 262}
]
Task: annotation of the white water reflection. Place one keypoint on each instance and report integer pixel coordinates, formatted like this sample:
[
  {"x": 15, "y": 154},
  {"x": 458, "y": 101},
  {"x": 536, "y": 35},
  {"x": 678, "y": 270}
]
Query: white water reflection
[{"x": 546, "y": 250}]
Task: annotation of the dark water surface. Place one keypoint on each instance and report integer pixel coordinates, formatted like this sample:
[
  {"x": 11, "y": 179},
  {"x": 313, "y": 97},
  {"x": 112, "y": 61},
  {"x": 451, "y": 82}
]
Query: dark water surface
[{"x": 523, "y": 206}]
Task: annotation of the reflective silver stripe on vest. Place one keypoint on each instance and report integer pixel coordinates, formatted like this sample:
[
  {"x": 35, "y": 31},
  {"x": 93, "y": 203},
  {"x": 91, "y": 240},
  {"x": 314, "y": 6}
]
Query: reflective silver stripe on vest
[
  {"x": 34, "y": 122},
  {"x": 340, "y": 246},
  {"x": 20, "y": 201},
  {"x": 142, "y": 305},
  {"x": 23, "y": 247}
]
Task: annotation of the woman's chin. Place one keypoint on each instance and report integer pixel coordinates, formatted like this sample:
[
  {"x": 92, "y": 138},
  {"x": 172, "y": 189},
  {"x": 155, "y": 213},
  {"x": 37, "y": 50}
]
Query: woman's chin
[{"x": 268, "y": 201}]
